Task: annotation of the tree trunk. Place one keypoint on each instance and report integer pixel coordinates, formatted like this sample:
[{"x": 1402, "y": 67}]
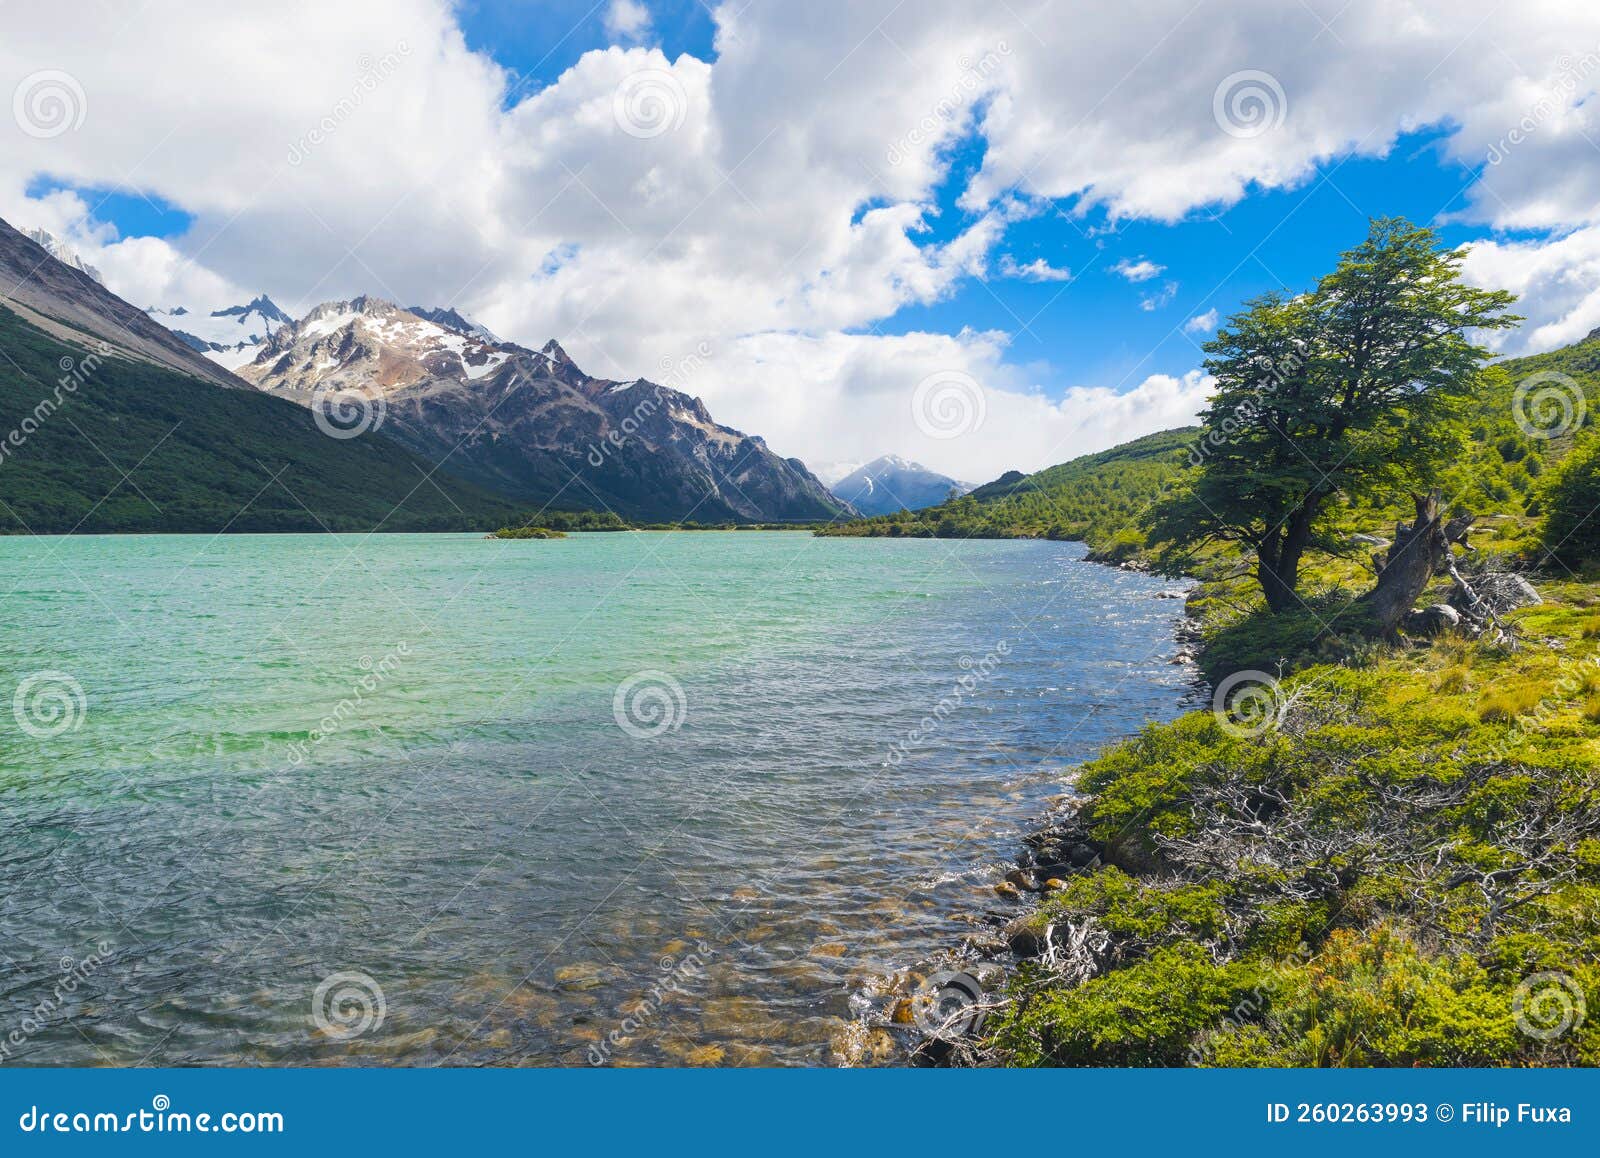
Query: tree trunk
[
  {"x": 1278, "y": 560},
  {"x": 1418, "y": 551}
]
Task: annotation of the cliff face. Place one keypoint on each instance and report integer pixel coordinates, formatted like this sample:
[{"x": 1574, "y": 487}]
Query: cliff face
[{"x": 530, "y": 423}]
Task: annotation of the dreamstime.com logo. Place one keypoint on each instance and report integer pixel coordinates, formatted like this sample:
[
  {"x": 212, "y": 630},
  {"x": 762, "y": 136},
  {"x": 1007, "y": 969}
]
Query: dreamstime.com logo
[
  {"x": 649, "y": 102},
  {"x": 648, "y": 704},
  {"x": 948, "y": 1006},
  {"x": 1548, "y": 404},
  {"x": 948, "y": 404},
  {"x": 342, "y": 413},
  {"x": 1248, "y": 703},
  {"x": 49, "y": 703},
  {"x": 48, "y": 103},
  {"x": 1249, "y": 103},
  {"x": 1547, "y": 1005},
  {"x": 348, "y": 1004}
]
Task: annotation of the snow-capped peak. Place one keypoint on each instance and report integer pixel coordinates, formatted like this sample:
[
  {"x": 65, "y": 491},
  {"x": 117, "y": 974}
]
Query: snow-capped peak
[
  {"x": 62, "y": 252},
  {"x": 231, "y": 335},
  {"x": 452, "y": 319}
]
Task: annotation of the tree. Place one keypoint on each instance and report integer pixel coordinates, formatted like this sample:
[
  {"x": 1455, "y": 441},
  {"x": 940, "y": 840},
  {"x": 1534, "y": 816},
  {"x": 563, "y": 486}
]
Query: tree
[{"x": 1352, "y": 391}]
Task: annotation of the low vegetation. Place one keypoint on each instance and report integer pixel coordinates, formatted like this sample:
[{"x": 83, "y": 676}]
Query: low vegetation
[{"x": 1381, "y": 844}]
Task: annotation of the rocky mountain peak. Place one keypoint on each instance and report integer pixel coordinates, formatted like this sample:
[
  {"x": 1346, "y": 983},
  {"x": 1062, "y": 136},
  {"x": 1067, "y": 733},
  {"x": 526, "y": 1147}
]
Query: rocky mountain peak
[
  {"x": 532, "y": 424},
  {"x": 62, "y": 252}
]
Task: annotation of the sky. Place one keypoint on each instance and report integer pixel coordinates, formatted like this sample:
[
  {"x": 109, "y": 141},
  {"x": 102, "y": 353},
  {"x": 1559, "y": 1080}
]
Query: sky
[{"x": 983, "y": 237}]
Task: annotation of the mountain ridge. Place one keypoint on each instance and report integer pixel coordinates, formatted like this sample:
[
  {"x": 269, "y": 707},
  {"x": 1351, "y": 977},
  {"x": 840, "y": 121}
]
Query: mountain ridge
[{"x": 532, "y": 424}]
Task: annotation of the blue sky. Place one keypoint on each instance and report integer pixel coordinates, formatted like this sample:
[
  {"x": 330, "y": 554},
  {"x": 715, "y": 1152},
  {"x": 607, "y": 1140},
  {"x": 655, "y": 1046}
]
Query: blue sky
[
  {"x": 1093, "y": 329},
  {"x": 773, "y": 219}
]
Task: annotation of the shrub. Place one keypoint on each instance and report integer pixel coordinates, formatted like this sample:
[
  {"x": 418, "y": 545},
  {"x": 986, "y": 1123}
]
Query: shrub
[{"x": 1570, "y": 496}]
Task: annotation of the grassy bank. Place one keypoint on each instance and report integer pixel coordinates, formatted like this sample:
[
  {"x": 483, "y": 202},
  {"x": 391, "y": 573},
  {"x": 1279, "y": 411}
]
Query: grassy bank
[{"x": 1388, "y": 858}]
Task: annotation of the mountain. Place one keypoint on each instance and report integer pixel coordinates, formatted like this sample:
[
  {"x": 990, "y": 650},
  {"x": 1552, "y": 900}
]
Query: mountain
[
  {"x": 1093, "y": 497},
  {"x": 531, "y": 424},
  {"x": 890, "y": 484},
  {"x": 230, "y": 337},
  {"x": 72, "y": 307},
  {"x": 62, "y": 252},
  {"x": 110, "y": 424},
  {"x": 451, "y": 320}
]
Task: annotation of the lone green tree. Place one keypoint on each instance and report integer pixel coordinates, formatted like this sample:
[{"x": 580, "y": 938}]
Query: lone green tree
[{"x": 1354, "y": 390}]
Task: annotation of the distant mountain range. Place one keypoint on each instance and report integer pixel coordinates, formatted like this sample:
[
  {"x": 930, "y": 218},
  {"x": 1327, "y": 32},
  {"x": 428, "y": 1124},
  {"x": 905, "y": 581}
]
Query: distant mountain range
[
  {"x": 529, "y": 423},
  {"x": 68, "y": 302},
  {"x": 231, "y": 336},
  {"x": 890, "y": 484},
  {"x": 108, "y": 422}
]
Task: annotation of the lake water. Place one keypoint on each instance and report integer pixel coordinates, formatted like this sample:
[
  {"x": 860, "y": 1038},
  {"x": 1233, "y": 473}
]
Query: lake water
[{"x": 432, "y": 799}]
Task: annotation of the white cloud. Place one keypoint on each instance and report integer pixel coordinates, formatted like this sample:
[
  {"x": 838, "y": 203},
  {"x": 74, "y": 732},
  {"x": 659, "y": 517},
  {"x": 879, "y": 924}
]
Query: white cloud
[
  {"x": 1202, "y": 323},
  {"x": 1557, "y": 282},
  {"x": 627, "y": 20},
  {"x": 1036, "y": 270},
  {"x": 1161, "y": 298},
  {"x": 776, "y": 203},
  {"x": 1137, "y": 271}
]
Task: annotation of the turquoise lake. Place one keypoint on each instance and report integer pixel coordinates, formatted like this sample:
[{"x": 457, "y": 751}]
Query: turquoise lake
[{"x": 432, "y": 799}]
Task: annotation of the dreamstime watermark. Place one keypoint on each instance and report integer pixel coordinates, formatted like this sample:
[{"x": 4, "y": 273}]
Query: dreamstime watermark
[
  {"x": 948, "y": 1006},
  {"x": 376, "y": 672},
  {"x": 1547, "y": 1005},
  {"x": 978, "y": 671},
  {"x": 74, "y": 373},
  {"x": 675, "y": 971},
  {"x": 48, "y": 704},
  {"x": 341, "y": 413},
  {"x": 48, "y": 103},
  {"x": 649, "y": 102},
  {"x": 1248, "y": 703},
  {"x": 1570, "y": 74},
  {"x": 648, "y": 704},
  {"x": 73, "y": 973},
  {"x": 1548, "y": 404},
  {"x": 348, "y": 1004},
  {"x": 675, "y": 373},
  {"x": 948, "y": 404},
  {"x": 974, "y": 78},
  {"x": 1249, "y": 103},
  {"x": 371, "y": 73}
]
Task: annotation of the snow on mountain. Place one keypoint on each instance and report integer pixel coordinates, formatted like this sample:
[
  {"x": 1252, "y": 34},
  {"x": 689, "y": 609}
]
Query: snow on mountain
[
  {"x": 62, "y": 252},
  {"x": 231, "y": 336},
  {"x": 451, "y": 320},
  {"x": 891, "y": 483},
  {"x": 529, "y": 423}
]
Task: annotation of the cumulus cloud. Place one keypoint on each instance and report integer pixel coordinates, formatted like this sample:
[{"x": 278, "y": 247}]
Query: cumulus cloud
[
  {"x": 627, "y": 20},
  {"x": 777, "y": 201},
  {"x": 1202, "y": 323},
  {"x": 1036, "y": 270},
  {"x": 1138, "y": 270}
]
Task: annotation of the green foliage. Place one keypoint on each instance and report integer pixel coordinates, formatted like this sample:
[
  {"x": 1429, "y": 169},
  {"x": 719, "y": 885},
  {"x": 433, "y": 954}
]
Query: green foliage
[
  {"x": 1356, "y": 391},
  {"x": 1144, "y": 1015},
  {"x": 129, "y": 446},
  {"x": 527, "y": 533},
  {"x": 1097, "y": 498},
  {"x": 1366, "y": 879},
  {"x": 1571, "y": 498}
]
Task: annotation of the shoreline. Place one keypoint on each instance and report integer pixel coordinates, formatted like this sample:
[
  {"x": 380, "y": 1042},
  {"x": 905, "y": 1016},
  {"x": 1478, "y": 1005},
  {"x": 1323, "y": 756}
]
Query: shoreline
[{"x": 1053, "y": 847}]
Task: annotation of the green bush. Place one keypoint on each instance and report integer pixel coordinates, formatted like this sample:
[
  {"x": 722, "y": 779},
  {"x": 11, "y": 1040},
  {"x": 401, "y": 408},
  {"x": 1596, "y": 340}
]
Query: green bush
[{"x": 1570, "y": 497}]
